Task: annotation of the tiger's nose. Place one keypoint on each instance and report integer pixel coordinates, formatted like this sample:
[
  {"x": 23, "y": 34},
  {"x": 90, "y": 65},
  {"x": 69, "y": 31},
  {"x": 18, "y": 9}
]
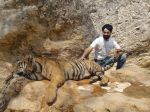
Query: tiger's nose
[{"x": 19, "y": 72}]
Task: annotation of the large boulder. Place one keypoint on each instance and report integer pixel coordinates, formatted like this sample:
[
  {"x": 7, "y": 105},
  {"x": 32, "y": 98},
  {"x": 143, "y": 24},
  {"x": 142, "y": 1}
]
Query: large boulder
[
  {"x": 126, "y": 92},
  {"x": 52, "y": 27}
]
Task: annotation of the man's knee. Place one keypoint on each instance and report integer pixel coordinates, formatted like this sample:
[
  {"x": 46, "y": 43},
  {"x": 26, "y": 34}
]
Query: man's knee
[
  {"x": 122, "y": 57},
  {"x": 121, "y": 61}
]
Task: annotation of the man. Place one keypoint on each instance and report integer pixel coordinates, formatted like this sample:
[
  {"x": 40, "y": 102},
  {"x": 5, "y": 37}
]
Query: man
[{"x": 102, "y": 46}]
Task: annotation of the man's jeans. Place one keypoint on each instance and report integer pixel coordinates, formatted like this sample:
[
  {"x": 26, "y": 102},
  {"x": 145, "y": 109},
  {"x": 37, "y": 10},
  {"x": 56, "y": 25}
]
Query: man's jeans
[{"x": 108, "y": 60}]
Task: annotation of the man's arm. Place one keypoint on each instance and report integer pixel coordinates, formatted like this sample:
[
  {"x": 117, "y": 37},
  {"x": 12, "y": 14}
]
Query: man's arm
[
  {"x": 86, "y": 53},
  {"x": 117, "y": 52},
  {"x": 117, "y": 47},
  {"x": 121, "y": 52}
]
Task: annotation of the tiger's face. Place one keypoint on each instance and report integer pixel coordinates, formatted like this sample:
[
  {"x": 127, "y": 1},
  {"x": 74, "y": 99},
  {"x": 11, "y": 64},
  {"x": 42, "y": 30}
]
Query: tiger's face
[{"x": 24, "y": 66}]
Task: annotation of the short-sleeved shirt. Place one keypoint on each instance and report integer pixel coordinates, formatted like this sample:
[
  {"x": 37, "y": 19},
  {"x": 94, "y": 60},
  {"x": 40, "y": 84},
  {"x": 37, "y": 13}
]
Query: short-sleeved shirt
[{"x": 103, "y": 47}]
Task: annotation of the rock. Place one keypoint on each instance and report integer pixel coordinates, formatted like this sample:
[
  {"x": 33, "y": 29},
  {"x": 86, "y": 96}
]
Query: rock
[
  {"x": 30, "y": 98},
  {"x": 124, "y": 94},
  {"x": 144, "y": 61},
  {"x": 113, "y": 102},
  {"x": 5, "y": 70},
  {"x": 24, "y": 25},
  {"x": 130, "y": 20}
]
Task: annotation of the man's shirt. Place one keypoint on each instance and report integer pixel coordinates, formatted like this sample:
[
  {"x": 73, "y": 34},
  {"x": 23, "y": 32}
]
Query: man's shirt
[{"x": 103, "y": 47}]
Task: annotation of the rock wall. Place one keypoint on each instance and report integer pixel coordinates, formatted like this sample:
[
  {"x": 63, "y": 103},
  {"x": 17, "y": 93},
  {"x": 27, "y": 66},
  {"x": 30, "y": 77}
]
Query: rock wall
[
  {"x": 130, "y": 18},
  {"x": 58, "y": 28},
  {"x": 63, "y": 28}
]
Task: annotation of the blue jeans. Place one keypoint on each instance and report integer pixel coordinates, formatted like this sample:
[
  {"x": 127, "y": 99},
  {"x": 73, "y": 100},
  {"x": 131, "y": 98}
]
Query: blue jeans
[{"x": 108, "y": 60}]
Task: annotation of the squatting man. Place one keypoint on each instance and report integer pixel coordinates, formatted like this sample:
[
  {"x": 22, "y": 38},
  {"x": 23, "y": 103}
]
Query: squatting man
[{"x": 102, "y": 46}]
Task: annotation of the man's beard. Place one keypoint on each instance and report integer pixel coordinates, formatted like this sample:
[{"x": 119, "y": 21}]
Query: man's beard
[{"x": 106, "y": 37}]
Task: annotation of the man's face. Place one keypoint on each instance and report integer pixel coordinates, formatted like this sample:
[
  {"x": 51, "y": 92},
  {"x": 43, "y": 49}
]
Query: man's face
[{"x": 106, "y": 34}]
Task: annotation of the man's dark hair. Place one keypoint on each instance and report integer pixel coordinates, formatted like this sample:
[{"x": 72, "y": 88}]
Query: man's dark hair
[{"x": 108, "y": 27}]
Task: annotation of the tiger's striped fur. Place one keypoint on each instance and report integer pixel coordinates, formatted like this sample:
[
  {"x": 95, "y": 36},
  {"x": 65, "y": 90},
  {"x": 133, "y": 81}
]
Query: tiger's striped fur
[
  {"x": 71, "y": 70},
  {"x": 59, "y": 71}
]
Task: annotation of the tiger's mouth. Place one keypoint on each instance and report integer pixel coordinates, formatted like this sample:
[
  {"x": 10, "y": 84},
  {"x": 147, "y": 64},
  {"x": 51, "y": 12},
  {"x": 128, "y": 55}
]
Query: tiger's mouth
[{"x": 21, "y": 73}]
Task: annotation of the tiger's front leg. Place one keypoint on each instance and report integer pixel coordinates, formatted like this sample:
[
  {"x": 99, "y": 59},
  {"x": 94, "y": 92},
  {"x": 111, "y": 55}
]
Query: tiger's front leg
[{"x": 55, "y": 83}]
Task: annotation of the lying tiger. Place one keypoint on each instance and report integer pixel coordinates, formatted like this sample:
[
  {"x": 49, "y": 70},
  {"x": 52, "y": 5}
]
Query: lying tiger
[
  {"x": 56, "y": 71},
  {"x": 59, "y": 71}
]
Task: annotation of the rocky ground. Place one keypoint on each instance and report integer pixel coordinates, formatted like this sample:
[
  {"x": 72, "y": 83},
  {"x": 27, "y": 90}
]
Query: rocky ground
[{"x": 128, "y": 90}]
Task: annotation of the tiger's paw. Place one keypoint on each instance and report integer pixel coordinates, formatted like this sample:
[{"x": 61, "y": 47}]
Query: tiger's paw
[{"x": 50, "y": 100}]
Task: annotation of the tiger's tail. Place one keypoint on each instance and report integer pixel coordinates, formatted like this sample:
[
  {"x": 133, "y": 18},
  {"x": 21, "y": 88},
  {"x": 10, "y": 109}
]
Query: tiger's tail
[
  {"x": 111, "y": 63},
  {"x": 11, "y": 89},
  {"x": 107, "y": 67}
]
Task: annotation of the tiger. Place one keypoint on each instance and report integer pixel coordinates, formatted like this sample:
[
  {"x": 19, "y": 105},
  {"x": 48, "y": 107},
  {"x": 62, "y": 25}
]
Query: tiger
[
  {"x": 56, "y": 71},
  {"x": 60, "y": 71}
]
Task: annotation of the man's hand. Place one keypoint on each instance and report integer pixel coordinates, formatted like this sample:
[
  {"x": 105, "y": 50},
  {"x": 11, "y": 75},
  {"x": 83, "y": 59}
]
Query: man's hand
[
  {"x": 82, "y": 58},
  {"x": 121, "y": 52},
  {"x": 86, "y": 53},
  {"x": 116, "y": 52}
]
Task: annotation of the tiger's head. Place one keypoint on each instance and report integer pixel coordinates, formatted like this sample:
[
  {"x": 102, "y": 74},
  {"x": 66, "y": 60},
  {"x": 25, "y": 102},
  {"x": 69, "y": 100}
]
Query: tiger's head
[{"x": 24, "y": 66}]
